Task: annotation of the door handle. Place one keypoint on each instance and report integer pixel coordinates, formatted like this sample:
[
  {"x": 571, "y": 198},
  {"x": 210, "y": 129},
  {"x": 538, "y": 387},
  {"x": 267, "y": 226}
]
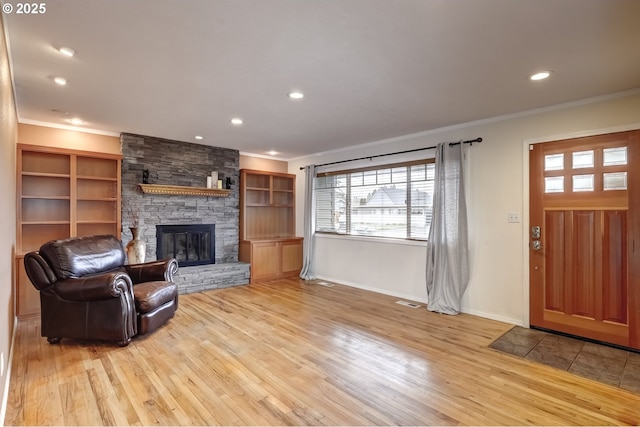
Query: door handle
[{"x": 535, "y": 232}]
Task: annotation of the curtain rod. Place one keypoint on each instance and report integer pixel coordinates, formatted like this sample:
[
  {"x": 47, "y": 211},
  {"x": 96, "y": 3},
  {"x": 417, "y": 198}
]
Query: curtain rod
[{"x": 470, "y": 142}]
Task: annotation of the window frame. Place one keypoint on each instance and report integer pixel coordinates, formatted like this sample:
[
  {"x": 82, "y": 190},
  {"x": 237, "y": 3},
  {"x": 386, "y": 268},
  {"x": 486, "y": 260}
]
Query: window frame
[{"x": 409, "y": 206}]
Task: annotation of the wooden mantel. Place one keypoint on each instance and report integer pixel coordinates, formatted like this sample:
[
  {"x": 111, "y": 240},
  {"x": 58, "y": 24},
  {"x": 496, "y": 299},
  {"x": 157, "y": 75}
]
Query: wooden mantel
[{"x": 180, "y": 190}]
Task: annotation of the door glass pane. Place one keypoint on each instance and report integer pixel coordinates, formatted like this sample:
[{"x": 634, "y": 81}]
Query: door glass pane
[
  {"x": 553, "y": 162},
  {"x": 583, "y": 182},
  {"x": 583, "y": 159},
  {"x": 554, "y": 184},
  {"x": 615, "y": 181},
  {"x": 615, "y": 156}
]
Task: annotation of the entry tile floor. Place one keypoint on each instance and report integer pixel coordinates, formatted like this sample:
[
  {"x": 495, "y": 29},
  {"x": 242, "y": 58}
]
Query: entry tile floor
[{"x": 609, "y": 365}]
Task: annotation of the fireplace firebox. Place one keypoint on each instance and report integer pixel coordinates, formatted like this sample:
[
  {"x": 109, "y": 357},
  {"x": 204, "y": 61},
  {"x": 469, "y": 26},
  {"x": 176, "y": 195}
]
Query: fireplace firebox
[{"x": 192, "y": 244}]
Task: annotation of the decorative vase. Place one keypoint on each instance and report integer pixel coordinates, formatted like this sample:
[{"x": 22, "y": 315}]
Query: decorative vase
[{"x": 136, "y": 248}]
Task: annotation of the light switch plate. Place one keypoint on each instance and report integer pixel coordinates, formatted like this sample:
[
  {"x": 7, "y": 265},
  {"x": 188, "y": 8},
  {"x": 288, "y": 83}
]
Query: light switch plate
[{"x": 513, "y": 217}]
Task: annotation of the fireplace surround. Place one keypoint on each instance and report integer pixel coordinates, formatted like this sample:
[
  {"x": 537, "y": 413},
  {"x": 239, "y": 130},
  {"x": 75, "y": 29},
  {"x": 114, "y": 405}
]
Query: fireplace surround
[
  {"x": 189, "y": 244},
  {"x": 179, "y": 163}
]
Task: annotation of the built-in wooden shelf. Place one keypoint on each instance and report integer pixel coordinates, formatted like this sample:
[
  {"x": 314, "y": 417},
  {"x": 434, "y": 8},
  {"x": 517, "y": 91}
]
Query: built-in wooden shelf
[
  {"x": 180, "y": 190},
  {"x": 61, "y": 193},
  {"x": 267, "y": 225}
]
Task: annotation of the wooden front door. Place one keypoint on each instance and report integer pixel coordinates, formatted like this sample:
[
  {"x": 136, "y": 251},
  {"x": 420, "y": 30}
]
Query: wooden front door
[{"x": 584, "y": 240}]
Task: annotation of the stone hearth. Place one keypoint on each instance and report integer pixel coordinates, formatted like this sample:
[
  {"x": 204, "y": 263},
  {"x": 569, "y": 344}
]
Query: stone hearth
[{"x": 180, "y": 163}]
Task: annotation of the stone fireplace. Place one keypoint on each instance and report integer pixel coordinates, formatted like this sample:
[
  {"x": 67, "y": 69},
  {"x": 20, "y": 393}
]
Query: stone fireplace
[{"x": 170, "y": 162}]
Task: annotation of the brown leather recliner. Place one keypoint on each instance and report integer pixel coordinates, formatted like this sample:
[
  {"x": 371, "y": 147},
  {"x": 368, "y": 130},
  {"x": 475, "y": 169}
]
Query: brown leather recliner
[{"x": 87, "y": 291}]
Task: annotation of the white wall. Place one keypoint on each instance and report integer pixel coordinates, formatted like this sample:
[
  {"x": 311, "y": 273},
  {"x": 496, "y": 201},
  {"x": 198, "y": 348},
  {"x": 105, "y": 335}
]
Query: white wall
[
  {"x": 497, "y": 184},
  {"x": 8, "y": 139}
]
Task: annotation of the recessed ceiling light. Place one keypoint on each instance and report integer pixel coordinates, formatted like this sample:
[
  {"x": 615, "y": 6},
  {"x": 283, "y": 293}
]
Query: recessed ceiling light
[
  {"x": 272, "y": 152},
  {"x": 296, "y": 95},
  {"x": 198, "y": 137},
  {"x": 60, "y": 80},
  {"x": 76, "y": 121},
  {"x": 540, "y": 76},
  {"x": 67, "y": 51},
  {"x": 237, "y": 121}
]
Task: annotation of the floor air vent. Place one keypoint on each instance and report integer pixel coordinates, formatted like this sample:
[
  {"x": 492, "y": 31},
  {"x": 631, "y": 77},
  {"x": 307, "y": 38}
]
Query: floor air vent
[
  {"x": 408, "y": 304},
  {"x": 327, "y": 284}
]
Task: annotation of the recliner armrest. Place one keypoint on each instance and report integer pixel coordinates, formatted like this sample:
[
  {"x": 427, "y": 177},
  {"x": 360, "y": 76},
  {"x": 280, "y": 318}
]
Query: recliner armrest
[
  {"x": 95, "y": 287},
  {"x": 153, "y": 271},
  {"x": 38, "y": 271}
]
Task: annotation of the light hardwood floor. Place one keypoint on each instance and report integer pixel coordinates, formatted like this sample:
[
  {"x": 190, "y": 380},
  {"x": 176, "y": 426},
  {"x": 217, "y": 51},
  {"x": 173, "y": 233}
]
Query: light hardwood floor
[{"x": 289, "y": 352}]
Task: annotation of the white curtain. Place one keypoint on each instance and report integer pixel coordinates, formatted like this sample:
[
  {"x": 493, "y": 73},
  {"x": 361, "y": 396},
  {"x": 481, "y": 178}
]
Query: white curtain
[
  {"x": 309, "y": 222},
  {"x": 447, "y": 247}
]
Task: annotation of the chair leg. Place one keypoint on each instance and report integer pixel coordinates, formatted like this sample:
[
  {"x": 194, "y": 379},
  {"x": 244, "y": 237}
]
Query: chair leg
[{"x": 54, "y": 340}]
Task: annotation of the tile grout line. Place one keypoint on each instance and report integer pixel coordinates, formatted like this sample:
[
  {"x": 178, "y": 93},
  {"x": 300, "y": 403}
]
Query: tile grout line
[
  {"x": 535, "y": 345},
  {"x": 575, "y": 357}
]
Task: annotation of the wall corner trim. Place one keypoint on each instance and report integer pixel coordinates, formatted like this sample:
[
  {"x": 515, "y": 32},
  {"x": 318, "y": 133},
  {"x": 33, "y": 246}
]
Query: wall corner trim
[{"x": 7, "y": 383}]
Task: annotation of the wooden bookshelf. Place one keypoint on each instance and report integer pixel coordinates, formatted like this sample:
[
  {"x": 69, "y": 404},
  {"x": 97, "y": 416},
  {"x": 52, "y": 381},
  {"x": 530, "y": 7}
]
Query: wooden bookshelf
[
  {"x": 62, "y": 193},
  {"x": 267, "y": 225}
]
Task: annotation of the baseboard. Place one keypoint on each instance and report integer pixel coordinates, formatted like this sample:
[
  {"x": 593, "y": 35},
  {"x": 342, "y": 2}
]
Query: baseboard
[
  {"x": 7, "y": 382},
  {"x": 376, "y": 290},
  {"x": 478, "y": 313},
  {"x": 503, "y": 319}
]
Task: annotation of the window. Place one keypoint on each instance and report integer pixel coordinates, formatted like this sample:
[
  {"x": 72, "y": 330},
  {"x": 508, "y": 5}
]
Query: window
[{"x": 393, "y": 201}]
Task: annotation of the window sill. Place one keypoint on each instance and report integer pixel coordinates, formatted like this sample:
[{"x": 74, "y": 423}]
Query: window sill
[{"x": 377, "y": 240}]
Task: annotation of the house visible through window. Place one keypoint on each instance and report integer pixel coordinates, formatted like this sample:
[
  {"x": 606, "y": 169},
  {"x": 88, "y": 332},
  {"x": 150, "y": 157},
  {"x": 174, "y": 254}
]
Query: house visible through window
[{"x": 393, "y": 201}]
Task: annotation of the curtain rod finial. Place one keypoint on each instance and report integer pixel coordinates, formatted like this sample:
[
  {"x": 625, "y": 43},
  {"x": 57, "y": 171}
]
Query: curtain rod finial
[{"x": 478, "y": 139}]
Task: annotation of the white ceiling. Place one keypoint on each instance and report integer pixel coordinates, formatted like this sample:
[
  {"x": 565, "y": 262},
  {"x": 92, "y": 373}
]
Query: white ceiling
[{"x": 369, "y": 69}]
